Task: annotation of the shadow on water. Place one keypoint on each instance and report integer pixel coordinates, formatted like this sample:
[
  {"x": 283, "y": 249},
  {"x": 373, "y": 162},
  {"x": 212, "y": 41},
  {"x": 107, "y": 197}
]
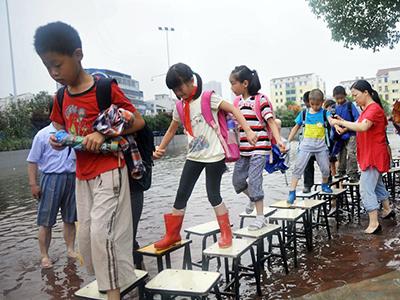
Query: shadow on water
[{"x": 350, "y": 256}]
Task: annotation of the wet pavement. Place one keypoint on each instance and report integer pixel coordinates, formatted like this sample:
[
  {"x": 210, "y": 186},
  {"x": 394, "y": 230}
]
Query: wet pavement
[{"x": 350, "y": 257}]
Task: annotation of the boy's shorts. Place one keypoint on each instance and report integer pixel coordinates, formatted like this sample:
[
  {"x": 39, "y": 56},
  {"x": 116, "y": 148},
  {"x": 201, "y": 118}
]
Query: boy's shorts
[{"x": 57, "y": 191}]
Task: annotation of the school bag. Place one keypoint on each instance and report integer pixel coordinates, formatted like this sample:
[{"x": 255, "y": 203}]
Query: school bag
[
  {"x": 257, "y": 109},
  {"x": 231, "y": 149},
  {"x": 327, "y": 126},
  {"x": 144, "y": 137}
]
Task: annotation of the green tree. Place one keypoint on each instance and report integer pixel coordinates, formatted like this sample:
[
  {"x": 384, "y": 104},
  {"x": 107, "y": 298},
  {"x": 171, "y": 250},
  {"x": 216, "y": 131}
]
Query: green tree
[{"x": 369, "y": 24}]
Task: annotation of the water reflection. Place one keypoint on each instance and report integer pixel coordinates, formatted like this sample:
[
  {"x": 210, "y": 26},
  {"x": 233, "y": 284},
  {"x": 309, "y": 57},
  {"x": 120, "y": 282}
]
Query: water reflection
[{"x": 349, "y": 257}]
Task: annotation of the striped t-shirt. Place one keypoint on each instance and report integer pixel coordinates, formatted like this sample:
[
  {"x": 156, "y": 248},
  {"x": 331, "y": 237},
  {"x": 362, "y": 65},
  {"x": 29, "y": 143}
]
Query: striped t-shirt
[{"x": 263, "y": 144}]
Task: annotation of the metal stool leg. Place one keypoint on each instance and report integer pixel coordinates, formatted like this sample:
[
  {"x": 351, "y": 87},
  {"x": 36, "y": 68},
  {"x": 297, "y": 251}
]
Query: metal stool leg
[
  {"x": 257, "y": 271},
  {"x": 283, "y": 252}
]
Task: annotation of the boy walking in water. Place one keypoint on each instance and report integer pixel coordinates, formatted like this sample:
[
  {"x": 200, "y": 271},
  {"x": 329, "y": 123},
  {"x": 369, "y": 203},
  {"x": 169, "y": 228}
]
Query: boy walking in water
[
  {"x": 56, "y": 191},
  {"x": 102, "y": 188}
]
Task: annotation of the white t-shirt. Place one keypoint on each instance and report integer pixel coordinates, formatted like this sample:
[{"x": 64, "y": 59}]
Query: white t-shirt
[{"x": 205, "y": 145}]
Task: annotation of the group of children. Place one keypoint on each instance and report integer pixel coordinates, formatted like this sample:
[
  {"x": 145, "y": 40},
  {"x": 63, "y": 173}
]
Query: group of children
[{"x": 102, "y": 189}]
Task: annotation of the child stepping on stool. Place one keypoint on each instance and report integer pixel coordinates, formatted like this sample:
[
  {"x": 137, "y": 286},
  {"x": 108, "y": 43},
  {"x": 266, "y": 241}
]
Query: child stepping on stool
[
  {"x": 257, "y": 110},
  {"x": 315, "y": 142}
]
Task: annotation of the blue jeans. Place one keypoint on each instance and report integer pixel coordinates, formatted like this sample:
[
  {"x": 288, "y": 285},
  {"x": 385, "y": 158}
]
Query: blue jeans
[{"x": 372, "y": 189}]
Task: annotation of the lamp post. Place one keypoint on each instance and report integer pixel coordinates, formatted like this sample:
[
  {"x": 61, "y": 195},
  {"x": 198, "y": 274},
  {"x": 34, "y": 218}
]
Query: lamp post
[
  {"x": 167, "y": 29},
  {"x": 11, "y": 51}
]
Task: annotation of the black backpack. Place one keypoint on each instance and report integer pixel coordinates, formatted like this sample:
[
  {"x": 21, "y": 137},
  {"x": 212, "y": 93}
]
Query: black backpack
[{"x": 144, "y": 137}]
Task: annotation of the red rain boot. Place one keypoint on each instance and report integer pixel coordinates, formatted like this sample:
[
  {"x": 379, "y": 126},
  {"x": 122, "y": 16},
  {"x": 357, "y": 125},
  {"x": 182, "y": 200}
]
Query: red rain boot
[
  {"x": 173, "y": 225},
  {"x": 226, "y": 232}
]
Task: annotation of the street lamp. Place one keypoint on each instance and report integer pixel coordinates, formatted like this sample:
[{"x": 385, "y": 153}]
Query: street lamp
[
  {"x": 167, "y": 29},
  {"x": 11, "y": 51}
]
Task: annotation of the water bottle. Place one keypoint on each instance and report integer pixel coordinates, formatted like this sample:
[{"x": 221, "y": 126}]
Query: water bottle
[{"x": 232, "y": 134}]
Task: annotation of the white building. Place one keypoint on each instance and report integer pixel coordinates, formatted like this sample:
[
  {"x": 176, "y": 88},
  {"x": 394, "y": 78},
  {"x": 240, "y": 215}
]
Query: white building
[{"x": 292, "y": 88}]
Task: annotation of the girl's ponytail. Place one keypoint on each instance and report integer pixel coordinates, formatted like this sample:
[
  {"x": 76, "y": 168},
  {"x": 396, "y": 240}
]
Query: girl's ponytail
[{"x": 254, "y": 84}]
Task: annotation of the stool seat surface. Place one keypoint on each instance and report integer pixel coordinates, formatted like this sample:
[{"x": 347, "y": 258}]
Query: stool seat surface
[
  {"x": 239, "y": 246},
  {"x": 288, "y": 214},
  {"x": 298, "y": 203},
  {"x": 348, "y": 183},
  {"x": 306, "y": 195},
  {"x": 204, "y": 229},
  {"x": 183, "y": 282},
  {"x": 267, "y": 212},
  {"x": 91, "y": 291},
  {"x": 150, "y": 250},
  {"x": 335, "y": 192},
  {"x": 257, "y": 234}
]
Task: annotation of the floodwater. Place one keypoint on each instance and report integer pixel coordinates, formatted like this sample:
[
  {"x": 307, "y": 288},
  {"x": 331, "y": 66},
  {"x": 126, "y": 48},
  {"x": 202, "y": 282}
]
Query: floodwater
[{"x": 350, "y": 256}]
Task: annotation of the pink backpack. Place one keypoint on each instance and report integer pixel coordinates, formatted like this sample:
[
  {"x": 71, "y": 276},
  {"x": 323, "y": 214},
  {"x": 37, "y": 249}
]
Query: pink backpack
[{"x": 232, "y": 152}]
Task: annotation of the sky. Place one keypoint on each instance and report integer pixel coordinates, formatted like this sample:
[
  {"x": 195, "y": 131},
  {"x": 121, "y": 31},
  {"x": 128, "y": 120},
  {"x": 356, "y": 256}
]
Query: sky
[{"x": 277, "y": 38}]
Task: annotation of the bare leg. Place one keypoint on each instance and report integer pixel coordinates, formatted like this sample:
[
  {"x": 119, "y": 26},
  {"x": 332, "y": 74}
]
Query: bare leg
[
  {"x": 220, "y": 209},
  {"x": 69, "y": 238},
  {"x": 113, "y": 294},
  {"x": 373, "y": 221},
  {"x": 325, "y": 179},
  {"x": 44, "y": 237},
  {"x": 260, "y": 207},
  {"x": 178, "y": 212},
  {"x": 386, "y": 208},
  {"x": 294, "y": 183}
]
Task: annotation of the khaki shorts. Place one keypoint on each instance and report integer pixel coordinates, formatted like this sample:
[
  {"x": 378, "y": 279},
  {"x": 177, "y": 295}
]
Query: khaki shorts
[{"x": 105, "y": 228}]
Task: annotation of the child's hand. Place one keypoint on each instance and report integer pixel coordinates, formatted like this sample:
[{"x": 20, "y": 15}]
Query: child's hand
[
  {"x": 36, "y": 192},
  {"x": 158, "y": 153},
  {"x": 54, "y": 144},
  {"x": 282, "y": 147},
  {"x": 340, "y": 130},
  {"x": 251, "y": 137},
  {"x": 93, "y": 141}
]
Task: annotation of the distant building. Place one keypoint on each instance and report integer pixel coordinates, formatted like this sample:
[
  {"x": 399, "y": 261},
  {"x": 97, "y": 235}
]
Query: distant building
[
  {"x": 292, "y": 88},
  {"x": 348, "y": 83},
  {"x": 164, "y": 100},
  {"x": 128, "y": 85},
  {"x": 386, "y": 83},
  {"x": 213, "y": 86},
  {"x": 10, "y": 99},
  {"x": 152, "y": 108}
]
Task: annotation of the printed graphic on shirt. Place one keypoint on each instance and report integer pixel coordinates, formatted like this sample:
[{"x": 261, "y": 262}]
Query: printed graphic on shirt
[
  {"x": 198, "y": 144},
  {"x": 77, "y": 118},
  {"x": 314, "y": 131}
]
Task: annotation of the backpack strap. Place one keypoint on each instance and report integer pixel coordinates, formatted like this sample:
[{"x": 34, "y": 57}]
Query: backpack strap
[
  {"x": 304, "y": 115},
  {"x": 236, "y": 101},
  {"x": 60, "y": 97},
  {"x": 327, "y": 127},
  {"x": 350, "y": 110},
  {"x": 179, "y": 109},
  {"x": 206, "y": 108},
  {"x": 103, "y": 92}
]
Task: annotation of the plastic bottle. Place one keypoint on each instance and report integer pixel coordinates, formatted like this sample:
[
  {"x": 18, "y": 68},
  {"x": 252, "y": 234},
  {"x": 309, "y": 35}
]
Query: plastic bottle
[{"x": 232, "y": 133}]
